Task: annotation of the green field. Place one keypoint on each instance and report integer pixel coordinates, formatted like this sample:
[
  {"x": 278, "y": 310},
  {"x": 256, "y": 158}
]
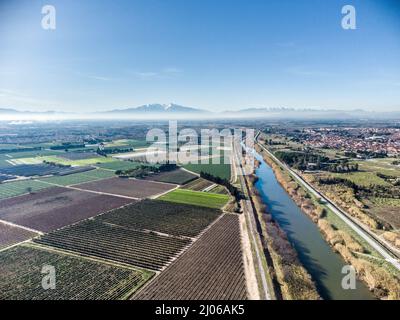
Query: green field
[
  {"x": 3, "y": 161},
  {"x": 9, "y": 146},
  {"x": 221, "y": 170},
  {"x": 34, "y": 154},
  {"x": 13, "y": 189},
  {"x": 81, "y": 177},
  {"x": 383, "y": 166},
  {"x": 219, "y": 189},
  {"x": 204, "y": 199},
  {"x": 119, "y": 165},
  {"x": 385, "y": 202},
  {"x": 133, "y": 143},
  {"x": 362, "y": 178},
  {"x": 55, "y": 159}
]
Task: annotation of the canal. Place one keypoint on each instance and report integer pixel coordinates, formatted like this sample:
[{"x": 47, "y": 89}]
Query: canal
[{"x": 324, "y": 265}]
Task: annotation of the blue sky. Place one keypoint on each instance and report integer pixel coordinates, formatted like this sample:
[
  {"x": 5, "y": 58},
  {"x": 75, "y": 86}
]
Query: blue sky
[{"x": 211, "y": 54}]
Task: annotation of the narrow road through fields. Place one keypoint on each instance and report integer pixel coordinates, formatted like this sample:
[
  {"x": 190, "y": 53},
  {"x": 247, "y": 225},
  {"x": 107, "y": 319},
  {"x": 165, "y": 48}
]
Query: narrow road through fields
[
  {"x": 382, "y": 249},
  {"x": 248, "y": 211},
  {"x": 90, "y": 191},
  {"x": 20, "y": 227}
]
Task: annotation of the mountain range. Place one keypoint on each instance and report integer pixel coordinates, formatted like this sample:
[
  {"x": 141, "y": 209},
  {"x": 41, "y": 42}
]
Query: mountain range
[{"x": 156, "y": 110}]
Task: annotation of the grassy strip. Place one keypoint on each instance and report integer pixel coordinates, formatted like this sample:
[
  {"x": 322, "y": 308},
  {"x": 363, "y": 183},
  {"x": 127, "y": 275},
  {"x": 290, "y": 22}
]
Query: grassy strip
[{"x": 204, "y": 199}]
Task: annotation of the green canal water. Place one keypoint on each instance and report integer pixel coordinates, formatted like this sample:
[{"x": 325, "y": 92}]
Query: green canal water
[{"x": 324, "y": 265}]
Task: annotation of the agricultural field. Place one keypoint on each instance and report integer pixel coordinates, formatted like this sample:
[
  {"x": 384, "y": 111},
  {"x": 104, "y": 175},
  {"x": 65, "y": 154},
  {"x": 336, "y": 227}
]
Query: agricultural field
[
  {"x": 133, "y": 143},
  {"x": 79, "y": 155},
  {"x": 77, "y": 178},
  {"x": 362, "y": 178},
  {"x": 43, "y": 169},
  {"x": 77, "y": 278},
  {"x": 17, "y": 188},
  {"x": 15, "y": 156},
  {"x": 198, "y": 185},
  {"x": 64, "y": 161},
  {"x": 211, "y": 269},
  {"x": 219, "y": 189},
  {"x": 127, "y": 187},
  {"x": 383, "y": 165},
  {"x": 165, "y": 217},
  {"x": 221, "y": 170},
  {"x": 120, "y": 165},
  {"x": 204, "y": 199},
  {"x": 117, "y": 243},
  {"x": 4, "y": 161},
  {"x": 9, "y": 146},
  {"x": 178, "y": 176},
  {"x": 10, "y": 235},
  {"x": 56, "y": 207},
  {"x": 4, "y": 177}
]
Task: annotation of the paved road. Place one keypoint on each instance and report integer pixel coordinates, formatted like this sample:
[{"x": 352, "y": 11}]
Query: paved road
[
  {"x": 370, "y": 239},
  {"x": 248, "y": 211}
]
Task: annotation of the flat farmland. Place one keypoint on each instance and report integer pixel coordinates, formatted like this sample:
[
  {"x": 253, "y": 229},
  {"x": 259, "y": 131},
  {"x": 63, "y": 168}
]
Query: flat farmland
[
  {"x": 56, "y": 207},
  {"x": 77, "y": 278},
  {"x": 204, "y": 199},
  {"x": 5, "y": 177},
  {"x": 211, "y": 269},
  {"x": 117, "y": 243},
  {"x": 4, "y": 161},
  {"x": 10, "y": 235},
  {"x": 77, "y": 178},
  {"x": 43, "y": 169},
  {"x": 17, "y": 188},
  {"x": 221, "y": 170},
  {"x": 33, "y": 154},
  {"x": 128, "y": 187},
  {"x": 198, "y": 185},
  {"x": 59, "y": 159},
  {"x": 165, "y": 217},
  {"x": 178, "y": 176},
  {"x": 79, "y": 155}
]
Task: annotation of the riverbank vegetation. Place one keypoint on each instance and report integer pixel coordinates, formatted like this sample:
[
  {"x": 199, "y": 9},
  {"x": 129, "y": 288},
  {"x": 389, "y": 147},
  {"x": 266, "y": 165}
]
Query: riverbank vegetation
[
  {"x": 293, "y": 280},
  {"x": 382, "y": 280}
]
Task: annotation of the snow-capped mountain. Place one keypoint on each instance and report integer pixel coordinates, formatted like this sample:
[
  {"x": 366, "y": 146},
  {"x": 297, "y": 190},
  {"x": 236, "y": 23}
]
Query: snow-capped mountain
[{"x": 159, "y": 108}]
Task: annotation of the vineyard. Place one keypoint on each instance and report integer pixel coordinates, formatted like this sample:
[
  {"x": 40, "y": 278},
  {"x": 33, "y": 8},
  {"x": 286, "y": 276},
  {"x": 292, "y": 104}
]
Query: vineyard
[
  {"x": 29, "y": 170},
  {"x": 198, "y": 185},
  {"x": 76, "y": 278},
  {"x": 118, "y": 243},
  {"x": 178, "y": 176},
  {"x": 56, "y": 207},
  {"x": 78, "y": 178},
  {"x": 10, "y": 235},
  {"x": 165, "y": 217},
  {"x": 13, "y": 189},
  {"x": 127, "y": 187},
  {"x": 212, "y": 269}
]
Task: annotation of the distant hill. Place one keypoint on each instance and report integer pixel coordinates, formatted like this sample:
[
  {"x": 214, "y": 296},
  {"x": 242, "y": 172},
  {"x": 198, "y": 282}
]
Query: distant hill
[{"x": 8, "y": 111}]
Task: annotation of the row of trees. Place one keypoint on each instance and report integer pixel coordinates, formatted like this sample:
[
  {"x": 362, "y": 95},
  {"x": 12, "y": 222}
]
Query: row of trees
[
  {"x": 145, "y": 170},
  {"x": 342, "y": 167},
  {"x": 218, "y": 180}
]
